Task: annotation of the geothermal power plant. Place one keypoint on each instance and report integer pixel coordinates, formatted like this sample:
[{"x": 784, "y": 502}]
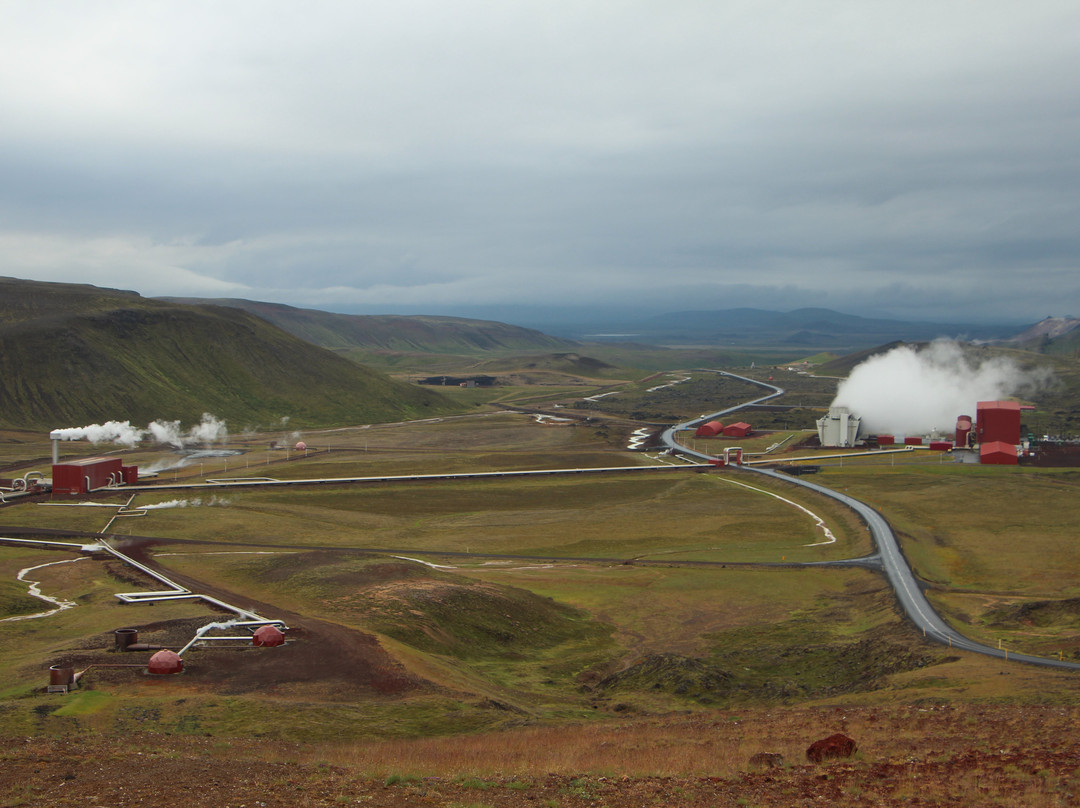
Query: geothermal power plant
[{"x": 994, "y": 433}]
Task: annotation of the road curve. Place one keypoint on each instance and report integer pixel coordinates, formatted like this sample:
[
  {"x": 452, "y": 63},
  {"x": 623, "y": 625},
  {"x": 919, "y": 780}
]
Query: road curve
[{"x": 908, "y": 592}]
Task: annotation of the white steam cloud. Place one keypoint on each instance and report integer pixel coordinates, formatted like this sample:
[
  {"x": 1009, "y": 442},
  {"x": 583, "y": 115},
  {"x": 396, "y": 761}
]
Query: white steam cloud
[
  {"x": 912, "y": 392},
  {"x": 109, "y": 432},
  {"x": 209, "y": 430},
  {"x": 184, "y": 503}
]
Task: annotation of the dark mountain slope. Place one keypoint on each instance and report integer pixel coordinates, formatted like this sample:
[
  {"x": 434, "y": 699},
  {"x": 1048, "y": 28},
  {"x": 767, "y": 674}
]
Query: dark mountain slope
[
  {"x": 71, "y": 355},
  {"x": 425, "y": 334}
]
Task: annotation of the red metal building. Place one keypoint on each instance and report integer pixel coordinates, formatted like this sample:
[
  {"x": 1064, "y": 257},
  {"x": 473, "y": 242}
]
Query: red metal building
[
  {"x": 998, "y": 421},
  {"x": 88, "y": 474},
  {"x": 739, "y": 429},
  {"x": 998, "y": 453},
  {"x": 709, "y": 430},
  {"x": 885, "y": 440}
]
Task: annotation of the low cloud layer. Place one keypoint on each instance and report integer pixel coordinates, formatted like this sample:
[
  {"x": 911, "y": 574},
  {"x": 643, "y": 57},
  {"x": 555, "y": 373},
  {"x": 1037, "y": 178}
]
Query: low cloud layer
[{"x": 909, "y": 158}]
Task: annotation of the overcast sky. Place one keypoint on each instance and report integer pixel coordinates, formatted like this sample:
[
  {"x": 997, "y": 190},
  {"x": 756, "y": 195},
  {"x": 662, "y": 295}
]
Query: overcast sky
[{"x": 916, "y": 159}]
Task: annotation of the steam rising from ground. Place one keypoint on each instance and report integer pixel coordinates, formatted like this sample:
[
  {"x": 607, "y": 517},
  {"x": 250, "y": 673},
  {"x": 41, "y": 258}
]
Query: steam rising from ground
[
  {"x": 209, "y": 430},
  {"x": 184, "y": 503},
  {"x": 911, "y": 392}
]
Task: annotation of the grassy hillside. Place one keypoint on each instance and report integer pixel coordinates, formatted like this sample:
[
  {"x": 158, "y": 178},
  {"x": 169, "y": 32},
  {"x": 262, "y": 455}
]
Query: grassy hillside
[
  {"x": 73, "y": 354},
  {"x": 426, "y": 334}
]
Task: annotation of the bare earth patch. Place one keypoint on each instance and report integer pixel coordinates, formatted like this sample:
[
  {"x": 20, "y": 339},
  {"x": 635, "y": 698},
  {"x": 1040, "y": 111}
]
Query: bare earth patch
[{"x": 908, "y": 756}]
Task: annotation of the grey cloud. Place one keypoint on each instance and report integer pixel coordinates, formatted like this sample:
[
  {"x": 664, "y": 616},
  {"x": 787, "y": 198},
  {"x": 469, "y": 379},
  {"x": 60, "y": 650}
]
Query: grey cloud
[{"x": 738, "y": 153}]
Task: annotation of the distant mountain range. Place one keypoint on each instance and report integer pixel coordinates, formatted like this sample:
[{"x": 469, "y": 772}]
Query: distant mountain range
[
  {"x": 1053, "y": 335},
  {"x": 72, "y": 355},
  {"x": 810, "y": 328}
]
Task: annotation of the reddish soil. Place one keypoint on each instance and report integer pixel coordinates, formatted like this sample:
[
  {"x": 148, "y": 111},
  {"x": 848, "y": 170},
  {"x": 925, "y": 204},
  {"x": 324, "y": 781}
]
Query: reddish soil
[
  {"x": 340, "y": 662},
  {"x": 152, "y": 770}
]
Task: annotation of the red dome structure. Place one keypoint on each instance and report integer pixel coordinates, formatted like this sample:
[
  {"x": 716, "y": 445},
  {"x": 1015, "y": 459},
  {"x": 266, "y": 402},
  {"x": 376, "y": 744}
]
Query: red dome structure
[
  {"x": 268, "y": 637},
  {"x": 165, "y": 662},
  {"x": 709, "y": 430},
  {"x": 301, "y": 446}
]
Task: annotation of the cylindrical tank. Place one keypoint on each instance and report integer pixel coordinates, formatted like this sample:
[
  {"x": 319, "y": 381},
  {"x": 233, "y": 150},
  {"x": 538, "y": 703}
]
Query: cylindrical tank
[
  {"x": 61, "y": 675},
  {"x": 963, "y": 430},
  {"x": 165, "y": 662},
  {"x": 125, "y": 637}
]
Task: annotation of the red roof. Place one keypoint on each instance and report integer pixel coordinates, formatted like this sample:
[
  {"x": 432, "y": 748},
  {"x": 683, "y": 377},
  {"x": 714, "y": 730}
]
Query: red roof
[{"x": 997, "y": 452}]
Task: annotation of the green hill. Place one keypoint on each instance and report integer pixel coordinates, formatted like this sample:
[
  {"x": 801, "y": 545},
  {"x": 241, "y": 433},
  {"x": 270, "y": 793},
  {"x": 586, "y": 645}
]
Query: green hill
[
  {"x": 414, "y": 334},
  {"x": 73, "y": 354}
]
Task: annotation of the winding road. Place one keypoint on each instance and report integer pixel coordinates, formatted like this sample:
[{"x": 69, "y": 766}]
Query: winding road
[{"x": 897, "y": 570}]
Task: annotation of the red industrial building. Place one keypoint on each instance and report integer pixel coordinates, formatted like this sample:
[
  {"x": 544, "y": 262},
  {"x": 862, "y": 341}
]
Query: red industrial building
[
  {"x": 885, "y": 440},
  {"x": 998, "y": 453},
  {"x": 91, "y": 473},
  {"x": 709, "y": 430},
  {"x": 998, "y": 421},
  {"x": 740, "y": 429}
]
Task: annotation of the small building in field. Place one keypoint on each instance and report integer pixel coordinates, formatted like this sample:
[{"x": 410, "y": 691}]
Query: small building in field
[
  {"x": 998, "y": 453},
  {"x": 709, "y": 430},
  {"x": 740, "y": 429}
]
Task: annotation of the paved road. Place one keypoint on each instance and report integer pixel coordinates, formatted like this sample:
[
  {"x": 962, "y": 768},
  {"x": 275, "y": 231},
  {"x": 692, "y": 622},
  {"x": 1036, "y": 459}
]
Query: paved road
[{"x": 908, "y": 592}]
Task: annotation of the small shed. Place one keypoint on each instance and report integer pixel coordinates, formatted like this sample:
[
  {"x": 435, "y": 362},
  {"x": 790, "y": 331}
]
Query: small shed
[
  {"x": 885, "y": 440},
  {"x": 940, "y": 446},
  {"x": 998, "y": 453},
  {"x": 913, "y": 441},
  {"x": 740, "y": 429},
  {"x": 709, "y": 430}
]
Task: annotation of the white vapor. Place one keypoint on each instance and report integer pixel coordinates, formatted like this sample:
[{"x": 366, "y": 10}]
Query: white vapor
[
  {"x": 183, "y": 503},
  {"x": 912, "y": 392},
  {"x": 209, "y": 430},
  {"x": 109, "y": 432}
]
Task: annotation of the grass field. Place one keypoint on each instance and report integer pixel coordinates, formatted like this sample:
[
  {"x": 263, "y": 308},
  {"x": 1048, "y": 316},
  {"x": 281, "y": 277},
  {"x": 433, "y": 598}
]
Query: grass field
[{"x": 488, "y": 643}]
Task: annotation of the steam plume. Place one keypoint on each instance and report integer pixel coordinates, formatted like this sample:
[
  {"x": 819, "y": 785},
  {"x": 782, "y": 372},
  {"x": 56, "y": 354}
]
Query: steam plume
[
  {"x": 209, "y": 430},
  {"x": 912, "y": 392},
  {"x": 109, "y": 432}
]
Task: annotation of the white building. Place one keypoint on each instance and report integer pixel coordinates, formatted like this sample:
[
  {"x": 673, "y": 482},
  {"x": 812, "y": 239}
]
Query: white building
[{"x": 839, "y": 428}]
